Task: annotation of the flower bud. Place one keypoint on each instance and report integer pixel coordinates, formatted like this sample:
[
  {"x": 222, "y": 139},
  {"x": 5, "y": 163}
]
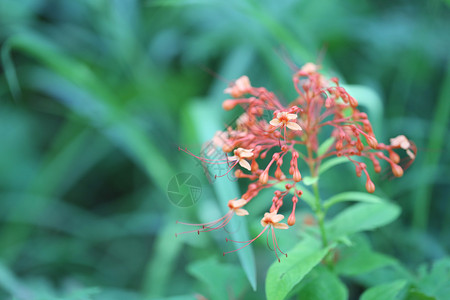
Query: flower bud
[
  {"x": 358, "y": 170},
  {"x": 372, "y": 141},
  {"x": 397, "y": 170},
  {"x": 229, "y": 104},
  {"x": 353, "y": 102},
  {"x": 278, "y": 173},
  {"x": 339, "y": 145},
  {"x": 359, "y": 146},
  {"x": 264, "y": 177},
  {"x": 394, "y": 157},
  {"x": 254, "y": 166},
  {"x": 377, "y": 168},
  {"x": 291, "y": 219},
  {"x": 297, "y": 176},
  {"x": 370, "y": 186}
]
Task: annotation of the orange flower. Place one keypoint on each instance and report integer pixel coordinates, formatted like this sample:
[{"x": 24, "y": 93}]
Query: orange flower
[
  {"x": 274, "y": 220},
  {"x": 239, "y": 155},
  {"x": 236, "y": 207},
  {"x": 240, "y": 87},
  {"x": 284, "y": 119}
]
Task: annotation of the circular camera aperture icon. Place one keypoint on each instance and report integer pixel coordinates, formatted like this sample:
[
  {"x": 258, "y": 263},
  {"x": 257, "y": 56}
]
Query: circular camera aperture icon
[{"x": 184, "y": 190}]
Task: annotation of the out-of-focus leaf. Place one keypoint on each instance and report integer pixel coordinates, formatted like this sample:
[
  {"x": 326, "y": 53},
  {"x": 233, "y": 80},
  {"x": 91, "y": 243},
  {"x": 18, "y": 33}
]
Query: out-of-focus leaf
[
  {"x": 217, "y": 278},
  {"x": 417, "y": 295},
  {"x": 362, "y": 216},
  {"x": 283, "y": 276},
  {"x": 328, "y": 164},
  {"x": 10, "y": 283},
  {"x": 308, "y": 180},
  {"x": 388, "y": 291},
  {"x": 358, "y": 258},
  {"x": 351, "y": 196},
  {"x": 206, "y": 125},
  {"x": 436, "y": 282},
  {"x": 323, "y": 148},
  {"x": 162, "y": 263},
  {"x": 321, "y": 284}
]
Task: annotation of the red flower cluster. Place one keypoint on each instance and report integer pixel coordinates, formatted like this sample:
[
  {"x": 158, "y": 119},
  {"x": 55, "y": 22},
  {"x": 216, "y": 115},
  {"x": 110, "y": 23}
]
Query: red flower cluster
[{"x": 320, "y": 103}]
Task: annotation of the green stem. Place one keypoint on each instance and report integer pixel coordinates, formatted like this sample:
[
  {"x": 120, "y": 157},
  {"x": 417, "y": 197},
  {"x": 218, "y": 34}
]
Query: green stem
[{"x": 320, "y": 215}]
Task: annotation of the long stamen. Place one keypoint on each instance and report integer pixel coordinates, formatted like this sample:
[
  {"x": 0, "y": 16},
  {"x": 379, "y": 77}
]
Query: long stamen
[
  {"x": 273, "y": 242},
  {"x": 231, "y": 168},
  {"x": 204, "y": 159},
  {"x": 267, "y": 241},
  {"x": 210, "y": 226},
  {"x": 247, "y": 242},
  {"x": 276, "y": 243}
]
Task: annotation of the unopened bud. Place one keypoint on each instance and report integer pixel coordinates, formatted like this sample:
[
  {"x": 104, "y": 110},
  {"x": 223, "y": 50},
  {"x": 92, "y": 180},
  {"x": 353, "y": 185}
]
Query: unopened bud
[
  {"x": 264, "y": 177},
  {"x": 278, "y": 173},
  {"x": 372, "y": 141},
  {"x": 297, "y": 176},
  {"x": 353, "y": 102},
  {"x": 254, "y": 166},
  {"x": 394, "y": 157},
  {"x": 370, "y": 186},
  {"x": 359, "y": 145},
  {"x": 358, "y": 170},
  {"x": 229, "y": 104},
  {"x": 339, "y": 145},
  {"x": 397, "y": 170},
  {"x": 377, "y": 168},
  {"x": 291, "y": 219}
]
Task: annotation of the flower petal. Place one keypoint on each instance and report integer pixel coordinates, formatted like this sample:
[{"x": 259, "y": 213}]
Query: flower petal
[
  {"x": 233, "y": 158},
  {"x": 263, "y": 223},
  {"x": 277, "y": 218},
  {"x": 238, "y": 203},
  {"x": 246, "y": 153},
  {"x": 280, "y": 226},
  {"x": 241, "y": 212},
  {"x": 291, "y": 116},
  {"x": 245, "y": 164},
  {"x": 275, "y": 122},
  {"x": 293, "y": 126}
]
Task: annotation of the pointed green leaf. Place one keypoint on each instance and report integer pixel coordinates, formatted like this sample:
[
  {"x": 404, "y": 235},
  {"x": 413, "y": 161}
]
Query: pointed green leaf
[
  {"x": 351, "y": 196},
  {"x": 283, "y": 276},
  {"x": 388, "y": 291},
  {"x": 362, "y": 216},
  {"x": 321, "y": 284}
]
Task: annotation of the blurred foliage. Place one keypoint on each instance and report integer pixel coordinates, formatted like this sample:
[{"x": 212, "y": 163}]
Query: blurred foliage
[{"x": 96, "y": 95}]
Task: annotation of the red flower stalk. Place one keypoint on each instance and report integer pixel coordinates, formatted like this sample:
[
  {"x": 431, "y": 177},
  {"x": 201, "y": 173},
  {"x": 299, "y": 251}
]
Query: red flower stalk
[{"x": 320, "y": 103}]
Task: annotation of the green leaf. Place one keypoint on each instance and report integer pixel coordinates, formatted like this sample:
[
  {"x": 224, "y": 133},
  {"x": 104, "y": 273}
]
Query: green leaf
[
  {"x": 417, "y": 295},
  {"x": 206, "y": 125},
  {"x": 351, "y": 196},
  {"x": 388, "y": 291},
  {"x": 323, "y": 148},
  {"x": 321, "y": 284},
  {"x": 436, "y": 282},
  {"x": 362, "y": 216},
  {"x": 328, "y": 164},
  {"x": 359, "y": 258},
  {"x": 308, "y": 180},
  {"x": 283, "y": 276},
  {"x": 217, "y": 277}
]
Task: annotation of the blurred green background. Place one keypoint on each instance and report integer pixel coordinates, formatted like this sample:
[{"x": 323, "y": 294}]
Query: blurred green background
[{"x": 97, "y": 95}]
